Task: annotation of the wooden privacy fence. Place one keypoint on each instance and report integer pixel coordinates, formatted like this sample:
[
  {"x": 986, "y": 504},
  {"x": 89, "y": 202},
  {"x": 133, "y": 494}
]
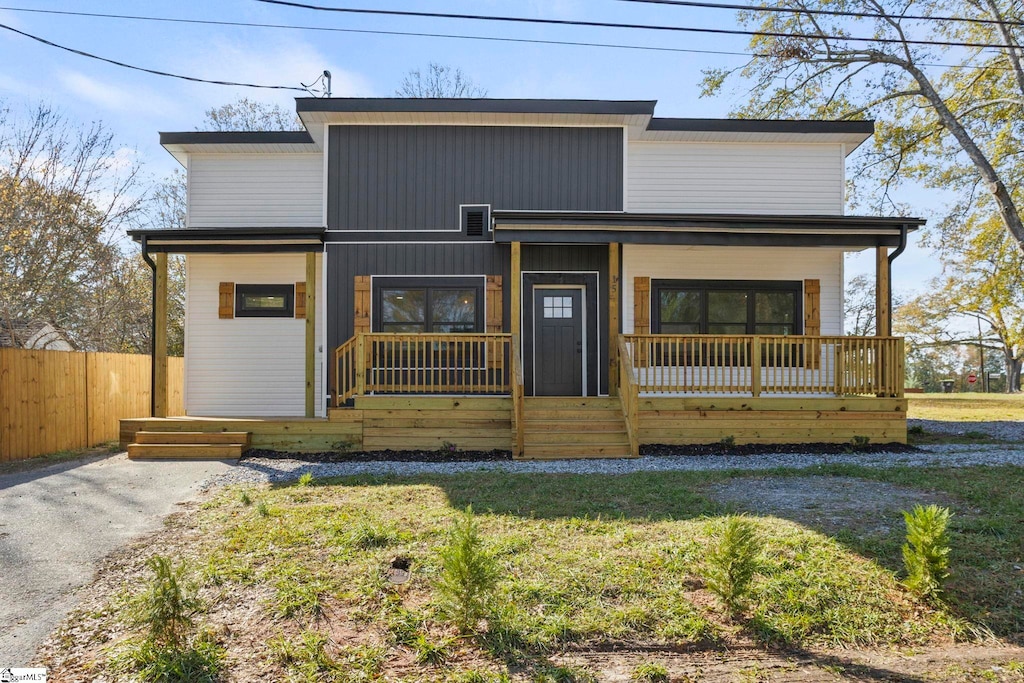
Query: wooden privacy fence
[{"x": 61, "y": 400}]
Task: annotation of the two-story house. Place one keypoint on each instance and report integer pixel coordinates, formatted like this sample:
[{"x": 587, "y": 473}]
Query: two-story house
[{"x": 554, "y": 277}]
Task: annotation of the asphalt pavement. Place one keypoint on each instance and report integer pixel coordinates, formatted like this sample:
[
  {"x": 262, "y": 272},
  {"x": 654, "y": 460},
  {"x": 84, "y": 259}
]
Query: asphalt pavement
[{"x": 58, "y": 522}]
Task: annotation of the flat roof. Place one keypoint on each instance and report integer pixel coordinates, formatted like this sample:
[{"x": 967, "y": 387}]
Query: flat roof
[{"x": 473, "y": 105}]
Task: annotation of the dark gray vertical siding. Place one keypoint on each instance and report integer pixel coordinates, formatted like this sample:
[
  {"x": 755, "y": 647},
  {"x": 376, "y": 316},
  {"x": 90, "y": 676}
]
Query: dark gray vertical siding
[
  {"x": 345, "y": 261},
  {"x": 569, "y": 258},
  {"x": 415, "y": 177}
]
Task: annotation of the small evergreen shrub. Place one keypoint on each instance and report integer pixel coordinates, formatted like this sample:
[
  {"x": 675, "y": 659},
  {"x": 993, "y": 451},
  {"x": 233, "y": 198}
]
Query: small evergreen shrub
[
  {"x": 169, "y": 650},
  {"x": 469, "y": 574},
  {"x": 926, "y": 552},
  {"x": 732, "y": 562}
]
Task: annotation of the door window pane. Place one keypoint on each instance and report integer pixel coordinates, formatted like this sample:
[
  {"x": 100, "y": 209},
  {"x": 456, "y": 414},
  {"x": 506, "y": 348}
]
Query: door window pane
[{"x": 557, "y": 306}]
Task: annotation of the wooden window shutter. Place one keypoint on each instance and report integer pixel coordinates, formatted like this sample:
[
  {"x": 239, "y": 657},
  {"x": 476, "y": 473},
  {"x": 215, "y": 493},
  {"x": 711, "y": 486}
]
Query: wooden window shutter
[
  {"x": 495, "y": 356},
  {"x": 812, "y": 323},
  {"x": 226, "y": 306},
  {"x": 641, "y": 305},
  {"x": 361, "y": 288},
  {"x": 300, "y": 300},
  {"x": 812, "y": 307},
  {"x": 495, "y": 308}
]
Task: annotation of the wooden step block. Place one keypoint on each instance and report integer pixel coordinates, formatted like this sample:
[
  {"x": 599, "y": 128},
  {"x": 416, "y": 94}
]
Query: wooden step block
[
  {"x": 568, "y": 451},
  {"x": 577, "y": 415},
  {"x": 576, "y": 437},
  {"x": 191, "y": 451},
  {"x": 571, "y": 402},
  {"x": 602, "y": 425},
  {"x": 192, "y": 437}
]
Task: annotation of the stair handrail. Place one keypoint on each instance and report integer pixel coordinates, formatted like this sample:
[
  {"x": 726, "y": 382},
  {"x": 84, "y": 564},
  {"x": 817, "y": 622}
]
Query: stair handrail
[
  {"x": 517, "y": 382},
  {"x": 345, "y": 372},
  {"x": 629, "y": 395}
]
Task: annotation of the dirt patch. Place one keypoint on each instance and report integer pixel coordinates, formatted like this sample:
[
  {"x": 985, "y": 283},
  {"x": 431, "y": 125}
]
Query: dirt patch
[
  {"x": 826, "y": 503},
  {"x": 444, "y": 455},
  {"x": 960, "y": 663}
]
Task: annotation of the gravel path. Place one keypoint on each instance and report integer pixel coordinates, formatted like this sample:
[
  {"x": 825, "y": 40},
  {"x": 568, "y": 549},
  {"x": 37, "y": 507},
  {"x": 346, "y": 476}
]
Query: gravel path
[
  {"x": 1004, "y": 430},
  {"x": 260, "y": 470}
]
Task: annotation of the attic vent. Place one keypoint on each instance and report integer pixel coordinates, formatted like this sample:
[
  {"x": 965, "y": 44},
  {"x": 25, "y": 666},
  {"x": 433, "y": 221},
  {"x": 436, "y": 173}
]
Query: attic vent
[
  {"x": 475, "y": 223},
  {"x": 475, "y": 219}
]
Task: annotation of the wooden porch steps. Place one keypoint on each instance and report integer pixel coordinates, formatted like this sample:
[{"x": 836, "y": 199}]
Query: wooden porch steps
[
  {"x": 588, "y": 427},
  {"x": 189, "y": 445}
]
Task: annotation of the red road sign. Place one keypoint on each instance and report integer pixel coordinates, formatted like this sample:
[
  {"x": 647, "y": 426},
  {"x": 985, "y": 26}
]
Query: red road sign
[{"x": 972, "y": 378}]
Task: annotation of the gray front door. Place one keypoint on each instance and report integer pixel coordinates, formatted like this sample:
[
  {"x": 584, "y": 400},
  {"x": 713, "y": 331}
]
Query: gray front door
[{"x": 558, "y": 343}]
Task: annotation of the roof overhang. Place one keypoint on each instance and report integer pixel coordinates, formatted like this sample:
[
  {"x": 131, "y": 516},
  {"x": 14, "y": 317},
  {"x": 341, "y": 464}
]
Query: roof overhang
[
  {"x": 230, "y": 240},
  {"x": 569, "y": 227},
  {"x": 237, "y": 142}
]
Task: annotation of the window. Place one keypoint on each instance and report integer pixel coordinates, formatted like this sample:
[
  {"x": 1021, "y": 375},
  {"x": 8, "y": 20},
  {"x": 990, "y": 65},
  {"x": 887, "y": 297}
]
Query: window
[
  {"x": 416, "y": 307},
  {"x": 726, "y": 307},
  {"x": 264, "y": 301},
  {"x": 557, "y": 307}
]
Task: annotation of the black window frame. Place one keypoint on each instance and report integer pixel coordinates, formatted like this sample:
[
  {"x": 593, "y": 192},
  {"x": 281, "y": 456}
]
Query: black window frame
[
  {"x": 428, "y": 284},
  {"x": 287, "y": 291},
  {"x": 750, "y": 287}
]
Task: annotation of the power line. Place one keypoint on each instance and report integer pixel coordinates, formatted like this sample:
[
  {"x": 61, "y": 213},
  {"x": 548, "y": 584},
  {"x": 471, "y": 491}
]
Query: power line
[
  {"x": 417, "y": 34},
  {"x": 609, "y": 24},
  {"x": 154, "y": 72},
  {"x": 827, "y": 12},
  {"x": 413, "y": 34}
]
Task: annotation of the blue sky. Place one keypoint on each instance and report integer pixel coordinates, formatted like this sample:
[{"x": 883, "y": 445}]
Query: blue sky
[{"x": 135, "y": 106}]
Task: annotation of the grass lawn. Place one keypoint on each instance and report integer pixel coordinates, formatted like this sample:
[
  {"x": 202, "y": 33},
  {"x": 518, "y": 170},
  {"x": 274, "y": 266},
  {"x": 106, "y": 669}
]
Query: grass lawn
[
  {"x": 293, "y": 578},
  {"x": 969, "y": 407}
]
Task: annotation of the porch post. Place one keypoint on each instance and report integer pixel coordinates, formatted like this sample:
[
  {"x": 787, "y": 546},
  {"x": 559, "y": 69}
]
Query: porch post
[
  {"x": 517, "y": 283},
  {"x": 882, "y": 299},
  {"x": 160, "y": 338},
  {"x": 613, "y": 319},
  {"x": 311, "y": 334}
]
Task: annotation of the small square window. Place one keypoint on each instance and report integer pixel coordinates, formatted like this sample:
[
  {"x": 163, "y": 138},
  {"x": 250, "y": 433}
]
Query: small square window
[
  {"x": 557, "y": 306},
  {"x": 264, "y": 301}
]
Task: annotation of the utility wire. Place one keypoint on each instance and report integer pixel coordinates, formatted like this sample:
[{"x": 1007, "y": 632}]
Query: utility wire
[
  {"x": 609, "y": 24},
  {"x": 413, "y": 34},
  {"x": 417, "y": 34},
  {"x": 155, "y": 72},
  {"x": 828, "y": 12}
]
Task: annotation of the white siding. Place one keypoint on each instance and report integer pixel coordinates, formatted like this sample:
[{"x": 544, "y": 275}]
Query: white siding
[
  {"x": 255, "y": 190},
  {"x": 246, "y": 366},
  {"x": 737, "y": 263},
  {"x": 700, "y": 177}
]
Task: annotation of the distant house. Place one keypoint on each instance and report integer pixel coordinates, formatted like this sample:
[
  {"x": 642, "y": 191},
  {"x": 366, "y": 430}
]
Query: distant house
[
  {"x": 558, "y": 277},
  {"x": 32, "y": 334}
]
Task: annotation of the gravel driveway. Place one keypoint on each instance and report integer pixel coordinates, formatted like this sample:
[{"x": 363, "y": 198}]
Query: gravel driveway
[{"x": 58, "y": 522}]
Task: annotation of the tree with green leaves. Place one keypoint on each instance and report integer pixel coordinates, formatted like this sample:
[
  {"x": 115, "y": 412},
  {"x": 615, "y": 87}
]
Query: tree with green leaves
[
  {"x": 943, "y": 78},
  {"x": 982, "y": 283}
]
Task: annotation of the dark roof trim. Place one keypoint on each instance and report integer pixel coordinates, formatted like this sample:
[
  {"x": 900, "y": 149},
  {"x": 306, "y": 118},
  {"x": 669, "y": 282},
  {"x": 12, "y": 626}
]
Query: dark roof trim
[
  {"x": 269, "y": 137},
  {"x": 229, "y": 234},
  {"x": 475, "y": 106},
  {"x": 725, "y": 239},
  {"x": 761, "y": 126},
  {"x": 752, "y": 222}
]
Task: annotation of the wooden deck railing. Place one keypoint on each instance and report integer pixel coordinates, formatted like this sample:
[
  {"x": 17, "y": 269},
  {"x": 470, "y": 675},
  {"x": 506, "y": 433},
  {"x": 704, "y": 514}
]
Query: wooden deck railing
[
  {"x": 758, "y": 365},
  {"x": 385, "y": 363},
  {"x": 629, "y": 394}
]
